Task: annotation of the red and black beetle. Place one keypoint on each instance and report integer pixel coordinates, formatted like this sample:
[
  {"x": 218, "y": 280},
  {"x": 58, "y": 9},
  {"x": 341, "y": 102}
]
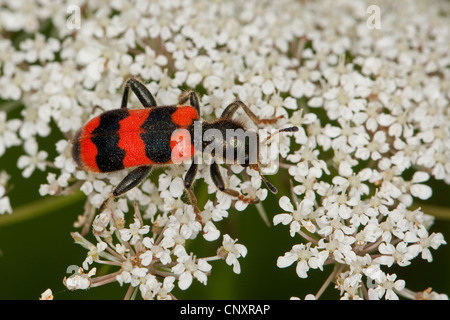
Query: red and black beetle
[{"x": 164, "y": 135}]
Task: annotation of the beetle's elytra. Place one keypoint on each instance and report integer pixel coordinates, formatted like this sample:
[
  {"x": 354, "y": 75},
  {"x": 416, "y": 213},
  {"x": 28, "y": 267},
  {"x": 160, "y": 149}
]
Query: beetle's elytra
[{"x": 125, "y": 138}]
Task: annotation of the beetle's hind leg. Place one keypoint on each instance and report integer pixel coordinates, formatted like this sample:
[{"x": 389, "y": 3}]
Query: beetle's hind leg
[{"x": 133, "y": 179}]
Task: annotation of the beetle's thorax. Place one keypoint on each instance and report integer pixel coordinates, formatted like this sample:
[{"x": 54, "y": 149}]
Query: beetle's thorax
[{"x": 230, "y": 140}]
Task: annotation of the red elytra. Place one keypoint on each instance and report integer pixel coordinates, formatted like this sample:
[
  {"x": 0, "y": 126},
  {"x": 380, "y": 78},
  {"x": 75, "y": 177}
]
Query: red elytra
[
  {"x": 130, "y": 140},
  {"x": 184, "y": 116},
  {"x": 89, "y": 154}
]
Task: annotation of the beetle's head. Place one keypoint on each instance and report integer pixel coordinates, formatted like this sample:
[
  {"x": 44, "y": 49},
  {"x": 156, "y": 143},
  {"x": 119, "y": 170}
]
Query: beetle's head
[{"x": 230, "y": 141}]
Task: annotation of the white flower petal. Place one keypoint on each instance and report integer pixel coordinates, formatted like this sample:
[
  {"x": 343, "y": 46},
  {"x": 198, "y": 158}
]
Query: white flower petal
[{"x": 421, "y": 191}]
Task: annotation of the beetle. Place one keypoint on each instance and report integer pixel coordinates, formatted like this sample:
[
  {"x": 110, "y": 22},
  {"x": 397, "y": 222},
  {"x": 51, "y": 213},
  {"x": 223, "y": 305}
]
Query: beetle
[{"x": 163, "y": 135}]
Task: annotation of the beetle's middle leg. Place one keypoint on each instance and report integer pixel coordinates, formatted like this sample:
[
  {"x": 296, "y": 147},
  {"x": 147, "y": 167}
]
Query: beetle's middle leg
[{"x": 133, "y": 179}]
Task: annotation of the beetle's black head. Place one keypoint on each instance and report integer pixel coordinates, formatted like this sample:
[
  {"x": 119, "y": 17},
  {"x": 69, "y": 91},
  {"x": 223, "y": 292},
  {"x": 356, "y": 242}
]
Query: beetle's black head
[
  {"x": 230, "y": 141},
  {"x": 234, "y": 144}
]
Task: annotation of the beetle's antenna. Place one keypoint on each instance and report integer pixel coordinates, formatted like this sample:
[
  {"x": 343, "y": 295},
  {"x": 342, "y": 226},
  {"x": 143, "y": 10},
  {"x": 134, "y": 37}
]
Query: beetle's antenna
[
  {"x": 289, "y": 129},
  {"x": 271, "y": 187}
]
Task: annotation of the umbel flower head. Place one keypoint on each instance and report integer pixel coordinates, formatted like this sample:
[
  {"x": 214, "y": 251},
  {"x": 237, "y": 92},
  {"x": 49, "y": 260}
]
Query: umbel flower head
[{"x": 368, "y": 86}]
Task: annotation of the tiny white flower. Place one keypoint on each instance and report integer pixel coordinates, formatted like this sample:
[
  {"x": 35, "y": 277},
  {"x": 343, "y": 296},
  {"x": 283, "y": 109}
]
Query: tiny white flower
[
  {"x": 135, "y": 231},
  {"x": 424, "y": 242},
  {"x": 231, "y": 251},
  {"x": 80, "y": 280},
  {"x": 47, "y": 295},
  {"x": 306, "y": 258},
  {"x": 297, "y": 218},
  {"x": 148, "y": 65},
  {"x": 167, "y": 287},
  {"x": 387, "y": 287},
  {"x": 34, "y": 159},
  {"x": 188, "y": 268},
  {"x": 40, "y": 48}
]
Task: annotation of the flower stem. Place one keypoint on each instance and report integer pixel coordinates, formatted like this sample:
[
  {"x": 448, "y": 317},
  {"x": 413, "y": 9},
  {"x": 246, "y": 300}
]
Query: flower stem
[
  {"x": 331, "y": 277},
  {"x": 262, "y": 213},
  {"x": 436, "y": 211},
  {"x": 39, "y": 208}
]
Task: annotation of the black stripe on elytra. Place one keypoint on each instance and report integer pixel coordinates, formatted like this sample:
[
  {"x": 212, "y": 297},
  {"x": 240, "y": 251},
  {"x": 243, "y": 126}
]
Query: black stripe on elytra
[
  {"x": 158, "y": 129},
  {"x": 106, "y": 138}
]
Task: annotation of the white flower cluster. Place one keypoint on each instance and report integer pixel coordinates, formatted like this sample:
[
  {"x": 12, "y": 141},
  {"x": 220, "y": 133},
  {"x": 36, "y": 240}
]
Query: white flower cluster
[
  {"x": 386, "y": 97},
  {"x": 149, "y": 264},
  {"x": 371, "y": 105}
]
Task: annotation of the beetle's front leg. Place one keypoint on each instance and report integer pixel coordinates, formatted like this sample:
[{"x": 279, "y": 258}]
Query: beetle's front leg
[
  {"x": 216, "y": 177},
  {"x": 234, "y": 106}
]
